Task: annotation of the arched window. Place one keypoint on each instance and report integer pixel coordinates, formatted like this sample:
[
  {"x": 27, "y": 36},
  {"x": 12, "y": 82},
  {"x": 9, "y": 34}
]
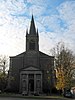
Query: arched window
[{"x": 32, "y": 45}]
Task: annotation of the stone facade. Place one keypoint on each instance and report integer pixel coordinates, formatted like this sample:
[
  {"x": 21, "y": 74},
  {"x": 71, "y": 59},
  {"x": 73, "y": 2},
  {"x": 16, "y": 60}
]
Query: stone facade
[{"x": 32, "y": 70}]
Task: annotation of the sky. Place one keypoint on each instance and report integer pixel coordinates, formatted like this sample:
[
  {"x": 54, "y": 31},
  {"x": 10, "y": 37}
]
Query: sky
[{"x": 55, "y": 20}]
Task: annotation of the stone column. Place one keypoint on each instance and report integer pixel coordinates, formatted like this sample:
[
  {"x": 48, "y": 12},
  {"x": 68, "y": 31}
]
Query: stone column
[
  {"x": 27, "y": 83},
  {"x": 20, "y": 84},
  {"x": 41, "y": 82},
  {"x": 34, "y": 83}
]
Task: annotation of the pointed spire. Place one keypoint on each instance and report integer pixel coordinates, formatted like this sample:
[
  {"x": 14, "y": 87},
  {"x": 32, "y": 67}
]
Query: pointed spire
[
  {"x": 32, "y": 27},
  {"x": 32, "y": 18},
  {"x": 26, "y": 31}
]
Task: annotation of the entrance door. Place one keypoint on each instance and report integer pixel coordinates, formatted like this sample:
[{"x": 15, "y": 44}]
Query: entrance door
[{"x": 31, "y": 85}]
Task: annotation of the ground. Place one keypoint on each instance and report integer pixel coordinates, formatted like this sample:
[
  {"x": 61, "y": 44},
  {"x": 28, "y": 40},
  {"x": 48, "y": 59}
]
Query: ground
[
  {"x": 10, "y": 98},
  {"x": 20, "y": 97},
  {"x": 13, "y": 96}
]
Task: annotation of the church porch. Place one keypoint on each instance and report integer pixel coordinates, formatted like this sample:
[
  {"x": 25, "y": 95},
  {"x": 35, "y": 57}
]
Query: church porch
[{"x": 30, "y": 81}]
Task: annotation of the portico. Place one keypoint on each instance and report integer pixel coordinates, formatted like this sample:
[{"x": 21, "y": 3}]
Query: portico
[{"x": 31, "y": 80}]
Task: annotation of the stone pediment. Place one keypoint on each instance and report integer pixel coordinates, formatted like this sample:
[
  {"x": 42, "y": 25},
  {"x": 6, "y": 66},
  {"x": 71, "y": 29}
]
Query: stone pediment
[{"x": 31, "y": 68}]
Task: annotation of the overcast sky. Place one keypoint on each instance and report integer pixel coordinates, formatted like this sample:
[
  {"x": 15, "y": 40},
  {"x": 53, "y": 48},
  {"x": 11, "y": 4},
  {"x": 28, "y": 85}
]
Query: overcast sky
[{"x": 55, "y": 20}]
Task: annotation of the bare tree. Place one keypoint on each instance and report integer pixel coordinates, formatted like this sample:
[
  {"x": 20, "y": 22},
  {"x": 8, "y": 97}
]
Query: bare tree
[
  {"x": 64, "y": 60},
  {"x": 3, "y": 72},
  {"x": 3, "y": 63}
]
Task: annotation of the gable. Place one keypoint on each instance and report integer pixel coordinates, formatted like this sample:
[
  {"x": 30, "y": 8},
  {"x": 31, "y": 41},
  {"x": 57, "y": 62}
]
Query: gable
[
  {"x": 19, "y": 55},
  {"x": 45, "y": 55},
  {"x": 31, "y": 68}
]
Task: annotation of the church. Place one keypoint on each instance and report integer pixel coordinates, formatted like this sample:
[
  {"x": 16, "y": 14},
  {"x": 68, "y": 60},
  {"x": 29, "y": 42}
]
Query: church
[{"x": 31, "y": 71}]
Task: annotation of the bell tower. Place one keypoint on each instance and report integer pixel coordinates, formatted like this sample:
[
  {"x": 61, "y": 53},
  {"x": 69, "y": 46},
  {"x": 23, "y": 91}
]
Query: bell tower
[{"x": 32, "y": 38}]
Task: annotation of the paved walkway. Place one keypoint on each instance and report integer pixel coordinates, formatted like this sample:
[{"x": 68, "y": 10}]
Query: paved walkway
[
  {"x": 10, "y": 98},
  {"x": 20, "y": 97}
]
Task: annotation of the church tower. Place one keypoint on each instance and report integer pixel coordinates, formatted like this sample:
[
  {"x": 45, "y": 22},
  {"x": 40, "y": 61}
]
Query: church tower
[
  {"x": 32, "y": 38},
  {"x": 32, "y": 46}
]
